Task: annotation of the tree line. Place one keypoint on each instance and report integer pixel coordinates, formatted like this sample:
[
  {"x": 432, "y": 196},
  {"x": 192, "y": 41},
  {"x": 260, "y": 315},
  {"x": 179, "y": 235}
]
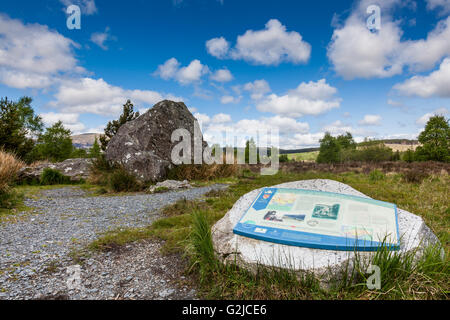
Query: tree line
[{"x": 434, "y": 146}]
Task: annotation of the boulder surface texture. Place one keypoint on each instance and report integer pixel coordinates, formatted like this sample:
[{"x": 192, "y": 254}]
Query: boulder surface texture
[
  {"x": 251, "y": 253},
  {"x": 76, "y": 169},
  {"x": 143, "y": 146}
]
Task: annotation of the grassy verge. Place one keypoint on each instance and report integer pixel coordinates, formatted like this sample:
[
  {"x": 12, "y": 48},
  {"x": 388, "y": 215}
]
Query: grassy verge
[{"x": 186, "y": 224}]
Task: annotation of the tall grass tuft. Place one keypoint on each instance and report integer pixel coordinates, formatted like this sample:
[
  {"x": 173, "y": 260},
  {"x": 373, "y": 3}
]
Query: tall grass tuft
[
  {"x": 9, "y": 167},
  {"x": 200, "y": 247}
]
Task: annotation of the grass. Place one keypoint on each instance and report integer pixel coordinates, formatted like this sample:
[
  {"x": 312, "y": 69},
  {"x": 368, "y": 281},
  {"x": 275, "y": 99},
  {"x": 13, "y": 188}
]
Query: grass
[
  {"x": 304, "y": 156},
  {"x": 185, "y": 229}
]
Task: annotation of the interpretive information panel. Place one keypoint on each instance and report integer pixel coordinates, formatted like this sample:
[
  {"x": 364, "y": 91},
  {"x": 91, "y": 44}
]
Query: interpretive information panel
[{"x": 322, "y": 220}]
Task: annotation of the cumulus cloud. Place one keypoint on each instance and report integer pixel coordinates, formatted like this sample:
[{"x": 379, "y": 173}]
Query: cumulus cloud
[
  {"x": 270, "y": 46},
  {"x": 184, "y": 75},
  {"x": 442, "y": 5},
  {"x": 69, "y": 120},
  {"x": 435, "y": 84},
  {"x": 257, "y": 88},
  {"x": 356, "y": 52},
  {"x": 370, "y": 120},
  {"x": 87, "y": 7},
  {"x": 218, "y": 47},
  {"x": 222, "y": 75},
  {"x": 32, "y": 56},
  {"x": 226, "y": 99},
  {"x": 96, "y": 96},
  {"x": 237, "y": 133},
  {"x": 310, "y": 98},
  {"x": 424, "y": 119},
  {"x": 99, "y": 38},
  {"x": 221, "y": 118}
]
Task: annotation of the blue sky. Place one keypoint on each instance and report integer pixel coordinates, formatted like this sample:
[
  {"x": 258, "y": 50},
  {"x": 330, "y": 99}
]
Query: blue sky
[{"x": 305, "y": 67}]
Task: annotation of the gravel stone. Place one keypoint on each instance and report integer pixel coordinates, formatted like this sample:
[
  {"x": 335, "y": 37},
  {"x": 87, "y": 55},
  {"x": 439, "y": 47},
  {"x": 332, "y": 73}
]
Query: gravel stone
[{"x": 36, "y": 247}]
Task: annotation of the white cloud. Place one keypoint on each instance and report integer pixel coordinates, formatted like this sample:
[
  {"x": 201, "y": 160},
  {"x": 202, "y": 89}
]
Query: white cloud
[
  {"x": 222, "y": 75},
  {"x": 435, "y": 84},
  {"x": 257, "y": 88},
  {"x": 32, "y": 56},
  {"x": 203, "y": 119},
  {"x": 22, "y": 80},
  {"x": 310, "y": 98},
  {"x": 338, "y": 127},
  {"x": 99, "y": 38},
  {"x": 96, "y": 96},
  {"x": 87, "y": 7},
  {"x": 306, "y": 139},
  {"x": 370, "y": 120},
  {"x": 69, "y": 120},
  {"x": 237, "y": 133},
  {"x": 357, "y": 52},
  {"x": 226, "y": 99},
  {"x": 270, "y": 46},
  {"x": 185, "y": 75},
  {"x": 442, "y": 5},
  {"x": 422, "y": 121},
  {"x": 221, "y": 118},
  {"x": 218, "y": 47}
]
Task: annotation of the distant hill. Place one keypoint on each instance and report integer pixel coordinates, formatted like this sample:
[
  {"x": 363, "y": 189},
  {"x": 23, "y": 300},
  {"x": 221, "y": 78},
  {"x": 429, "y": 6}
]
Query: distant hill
[{"x": 85, "y": 140}]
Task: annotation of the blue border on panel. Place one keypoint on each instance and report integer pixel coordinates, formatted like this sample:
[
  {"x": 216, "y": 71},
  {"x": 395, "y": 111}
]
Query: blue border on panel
[{"x": 313, "y": 240}]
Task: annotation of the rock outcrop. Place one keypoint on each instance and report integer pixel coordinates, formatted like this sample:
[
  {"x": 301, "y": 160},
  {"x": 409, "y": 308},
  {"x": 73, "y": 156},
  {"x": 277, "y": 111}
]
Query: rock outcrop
[
  {"x": 143, "y": 146},
  {"x": 76, "y": 169},
  {"x": 250, "y": 253},
  {"x": 170, "y": 185}
]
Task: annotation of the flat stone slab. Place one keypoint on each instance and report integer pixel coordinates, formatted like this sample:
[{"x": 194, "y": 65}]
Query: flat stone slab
[{"x": 249, "y": 253}]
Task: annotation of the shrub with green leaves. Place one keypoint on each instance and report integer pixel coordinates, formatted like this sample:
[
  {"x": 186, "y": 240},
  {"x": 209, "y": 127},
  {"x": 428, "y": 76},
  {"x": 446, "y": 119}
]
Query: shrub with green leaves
[
  {"x": 122, "y": 181},
  {"x": 51, "y": 177}
]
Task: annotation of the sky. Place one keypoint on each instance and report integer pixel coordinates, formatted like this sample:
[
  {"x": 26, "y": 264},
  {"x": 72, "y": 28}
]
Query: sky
[{"x": 302, "y": 67}]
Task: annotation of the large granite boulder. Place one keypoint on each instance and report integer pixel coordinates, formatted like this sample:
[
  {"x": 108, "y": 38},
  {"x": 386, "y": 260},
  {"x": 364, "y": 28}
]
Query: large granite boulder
[
  {"x": 143, "y": 146},
  {"x": 325, "y": 264},
  {"x": 77, "y": 169}
]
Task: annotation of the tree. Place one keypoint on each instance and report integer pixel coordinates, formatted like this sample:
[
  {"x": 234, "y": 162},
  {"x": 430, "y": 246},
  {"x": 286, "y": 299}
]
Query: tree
[
  {"x": 346, "y": 141},
  {"x": 330, "y": 150},
  {"x": 435, "y": 140},
  {"x": 18, "y": 126},
  {"x": 113, "y": 126},
  {"x": 56, "y": 144},
  {"x": 95, "y": 151}
]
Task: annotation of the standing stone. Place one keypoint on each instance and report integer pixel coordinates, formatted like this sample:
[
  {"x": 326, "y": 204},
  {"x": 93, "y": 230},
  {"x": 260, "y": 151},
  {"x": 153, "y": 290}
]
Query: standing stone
[{"x": 143, "y": 146}]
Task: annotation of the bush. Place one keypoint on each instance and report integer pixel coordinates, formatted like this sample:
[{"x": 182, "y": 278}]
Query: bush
[
  {"x": 371, "y": 153},
  {"x": 51, "y": 177},
  {"x": 121, "y": 181},
  {"x": 414, "y": 176},
  {"x": 284, "y": 158}
]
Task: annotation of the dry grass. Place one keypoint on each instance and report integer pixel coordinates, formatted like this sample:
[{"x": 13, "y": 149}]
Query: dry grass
[
  {"x": 203, "y": 172},
  {"x": 9, "y": 167}
]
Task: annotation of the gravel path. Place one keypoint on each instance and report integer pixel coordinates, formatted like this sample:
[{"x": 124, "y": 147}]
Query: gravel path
[{"x": 34, "y": 250}]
